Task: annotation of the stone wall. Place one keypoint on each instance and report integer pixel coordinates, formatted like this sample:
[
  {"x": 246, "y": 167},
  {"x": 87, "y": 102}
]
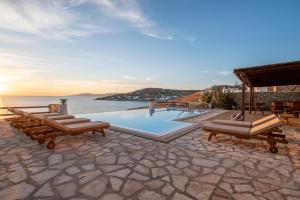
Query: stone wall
[{"x": 268, "y": 97}]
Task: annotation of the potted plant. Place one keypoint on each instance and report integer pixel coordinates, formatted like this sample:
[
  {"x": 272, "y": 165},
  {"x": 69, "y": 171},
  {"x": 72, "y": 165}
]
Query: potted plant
[{"x": 64, "y": 106}]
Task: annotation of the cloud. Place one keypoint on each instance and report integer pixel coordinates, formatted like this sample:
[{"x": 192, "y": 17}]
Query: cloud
[
  {"x": 132, "y": 13},
  {"x": 225, "y": 73},
  {"x": 129, "y": 77},
  {"x": 65, "y": 19}
]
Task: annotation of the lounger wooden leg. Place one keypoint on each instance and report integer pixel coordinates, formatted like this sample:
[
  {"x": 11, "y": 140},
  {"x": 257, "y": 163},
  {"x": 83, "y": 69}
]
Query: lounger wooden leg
[
  {"x": 210, "y": 136},
  {"x": 101, "y": 131},
  {"x": 272, "y": 141}
]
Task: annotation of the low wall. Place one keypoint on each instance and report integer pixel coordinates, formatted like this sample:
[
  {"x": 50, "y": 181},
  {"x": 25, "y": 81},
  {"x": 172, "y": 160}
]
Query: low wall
[{"x": 268, "y": 97}]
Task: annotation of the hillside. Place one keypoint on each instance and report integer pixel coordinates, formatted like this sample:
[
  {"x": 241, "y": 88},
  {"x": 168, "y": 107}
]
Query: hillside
[{"x": 158, "y": 94}]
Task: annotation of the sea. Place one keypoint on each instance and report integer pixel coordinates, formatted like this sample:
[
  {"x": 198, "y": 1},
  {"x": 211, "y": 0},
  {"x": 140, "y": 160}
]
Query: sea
[{"x": 76, "y": 104}]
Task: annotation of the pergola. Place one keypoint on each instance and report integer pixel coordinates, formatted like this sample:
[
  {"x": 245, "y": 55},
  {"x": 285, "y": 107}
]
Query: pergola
[{"x": 278, "y": 74}]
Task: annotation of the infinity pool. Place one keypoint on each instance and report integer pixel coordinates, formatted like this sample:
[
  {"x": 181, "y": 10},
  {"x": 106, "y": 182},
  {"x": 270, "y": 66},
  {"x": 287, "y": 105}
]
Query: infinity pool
[{"x": 147, "y": 122}]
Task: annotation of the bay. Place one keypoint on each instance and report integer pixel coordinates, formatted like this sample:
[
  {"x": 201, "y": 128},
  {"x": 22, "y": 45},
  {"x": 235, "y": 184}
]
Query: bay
[{"x": 76, "y": 104}]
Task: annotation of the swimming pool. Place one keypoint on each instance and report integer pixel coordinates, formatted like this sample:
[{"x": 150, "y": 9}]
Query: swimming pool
[{"x": 159, "y": 124}]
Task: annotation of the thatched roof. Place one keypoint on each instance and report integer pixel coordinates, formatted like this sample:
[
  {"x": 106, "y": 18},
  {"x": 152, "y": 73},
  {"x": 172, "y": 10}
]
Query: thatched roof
[{"x": 287, "y": 73}]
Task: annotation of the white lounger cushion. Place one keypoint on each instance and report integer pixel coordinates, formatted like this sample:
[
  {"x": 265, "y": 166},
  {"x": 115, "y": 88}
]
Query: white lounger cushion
[
  {"x": 72, "y": 121},
  {"x": 233, "y": 123},
  {"x": 269, "y": 125},
  {"x": 232, "y": 130},
  {"x": 245, "y": 124}
]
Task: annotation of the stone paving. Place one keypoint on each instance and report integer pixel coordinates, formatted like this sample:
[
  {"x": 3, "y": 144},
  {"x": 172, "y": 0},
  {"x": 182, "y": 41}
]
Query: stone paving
[{"x": 122, "y": 166}]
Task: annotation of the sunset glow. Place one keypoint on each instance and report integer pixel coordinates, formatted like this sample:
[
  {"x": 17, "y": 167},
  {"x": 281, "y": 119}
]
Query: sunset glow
[{"x": 62, "y": 47}]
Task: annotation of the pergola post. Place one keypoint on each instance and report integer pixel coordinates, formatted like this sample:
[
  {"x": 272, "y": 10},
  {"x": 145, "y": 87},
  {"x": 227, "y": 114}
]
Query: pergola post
[
  {"x": 251, "y": 99},
  {"x": 243, "y": 100}
]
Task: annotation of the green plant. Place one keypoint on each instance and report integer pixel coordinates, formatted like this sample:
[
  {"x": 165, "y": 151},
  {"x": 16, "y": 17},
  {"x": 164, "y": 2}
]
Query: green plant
[
  {"x": 63, "y": 101},
  {"x": 207, "y": 97},
  {"x": 223, "y": 100}
]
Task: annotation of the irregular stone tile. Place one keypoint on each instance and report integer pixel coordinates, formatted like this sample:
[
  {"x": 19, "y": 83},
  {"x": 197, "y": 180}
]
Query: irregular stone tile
[
  {"x": 227, "y": 163},
  {"x": 44, "y": 191},
  {"x": 44, "y": 176},
  {"x": 209, "y": 178},
  {"x": 54, "y": 159},
  {"x": 131, "y": 187},
  {"x": 156, "y": 172},
  {"x": 166, "y": 178},
  {"x": 150, "y": 195},
  {"x": 18, "y": 191},
  {"x": 138, "y": 177},
  {"x": 120, "y": 173},
  {"x": 243, "y": 188},
  {"x": 182, "y": 164},
  {"x": 155, "y": 184},
  {"x": 73, "y": 170},
  {"x": 147, "y": 163},
  {"x": 200, "y": 190},
  {"x": 168, "y": 189},
  {"x": 290, "y": 192},
  {"x": 204, "y": 162},
  {"x": 236, "y": 180},
  {"x": 111, "y": 197},
  {"x": 94, "y": 188},
  {"x": 141, "y": 169},
  {"x": 62, "y": 179},
  {"x": 220, "y": 170},
  {"x": 173, "y": 170},
  {"x": 124, "y": 160},
  {"x": 244, "y": 196},
  {"x": 160, "y": 163},
  {"x": 67, "y": 190},
  {"x": 109, "y": 168},
  {"x": 18, "y": 175},
  {"x": 63, "y": 165},
  {"x": 106, "y": 160},
  {"x": 226, "y": 187},
  {"x": 137, "y": 155},
  {"x": 34, "y": 170},
  {"x": 116, "y": 183},
  {"x": 189, "y": 172},
  {"x": 88, "y": 167},
  {"x": 178, "y": 196},
  {"x": 180, "y": 182},
  {"x": 88, "y": 176}
]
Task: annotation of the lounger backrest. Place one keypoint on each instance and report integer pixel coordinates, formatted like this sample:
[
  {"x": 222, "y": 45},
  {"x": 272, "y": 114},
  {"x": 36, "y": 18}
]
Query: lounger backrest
[
  {"x": 263, "y": 120},
  {"x": 55, "y": 125},
  {"x": 18, "y": 111},
  {"x": 268, "y": 125},
  {"x": 10, "y": 109}
]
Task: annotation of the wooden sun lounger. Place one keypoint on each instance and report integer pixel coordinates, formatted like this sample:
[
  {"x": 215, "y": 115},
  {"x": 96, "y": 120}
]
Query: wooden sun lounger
[
  {"x": 267, "y": 131},
  {"x": 69, "y": 129},
  {"x": 37, "y": 122},
  {"x": 44, "y": 129},
  {"x": 245, "y": 123}
]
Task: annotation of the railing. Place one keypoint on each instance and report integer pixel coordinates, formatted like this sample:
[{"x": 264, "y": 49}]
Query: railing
[{"x": 19, "y": 107}]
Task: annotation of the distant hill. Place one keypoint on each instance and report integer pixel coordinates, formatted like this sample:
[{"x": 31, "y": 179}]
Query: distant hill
[{"x": 146, "y": 94}]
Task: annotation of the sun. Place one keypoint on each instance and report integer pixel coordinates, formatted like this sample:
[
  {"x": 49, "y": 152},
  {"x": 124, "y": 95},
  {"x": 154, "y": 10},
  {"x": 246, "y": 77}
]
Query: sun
[{"x": 3, "y": 87}]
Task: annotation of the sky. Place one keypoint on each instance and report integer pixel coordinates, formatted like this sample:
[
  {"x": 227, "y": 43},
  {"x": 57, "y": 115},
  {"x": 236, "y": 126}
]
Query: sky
[{"x": 62, "y": 47}]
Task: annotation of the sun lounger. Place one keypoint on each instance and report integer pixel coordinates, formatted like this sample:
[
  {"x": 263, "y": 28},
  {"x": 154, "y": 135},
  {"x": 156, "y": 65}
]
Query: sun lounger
[
  {"x": 44, "y": 129},
  {"x": 267, "y": 131},
  {"x": 69, "y": 129},
  {"x": 72, "y": 121},
  {"x": 245, "y": 123}
]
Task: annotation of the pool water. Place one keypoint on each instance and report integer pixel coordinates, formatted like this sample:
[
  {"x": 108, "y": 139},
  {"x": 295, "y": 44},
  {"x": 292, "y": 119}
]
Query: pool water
[{"x": 157, "y": 122}]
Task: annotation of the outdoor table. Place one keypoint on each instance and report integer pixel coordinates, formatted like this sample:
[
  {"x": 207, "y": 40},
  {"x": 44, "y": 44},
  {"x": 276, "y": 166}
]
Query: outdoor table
[{"x": 286, "y": 117}]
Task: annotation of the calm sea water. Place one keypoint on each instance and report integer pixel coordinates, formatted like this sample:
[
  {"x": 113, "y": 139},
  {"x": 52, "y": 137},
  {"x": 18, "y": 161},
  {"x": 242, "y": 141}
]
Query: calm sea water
[{"x": 76, "y": 104}]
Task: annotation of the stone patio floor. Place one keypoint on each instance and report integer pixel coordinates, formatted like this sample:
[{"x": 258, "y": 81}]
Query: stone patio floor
[{"x": 122, "y": 166}]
